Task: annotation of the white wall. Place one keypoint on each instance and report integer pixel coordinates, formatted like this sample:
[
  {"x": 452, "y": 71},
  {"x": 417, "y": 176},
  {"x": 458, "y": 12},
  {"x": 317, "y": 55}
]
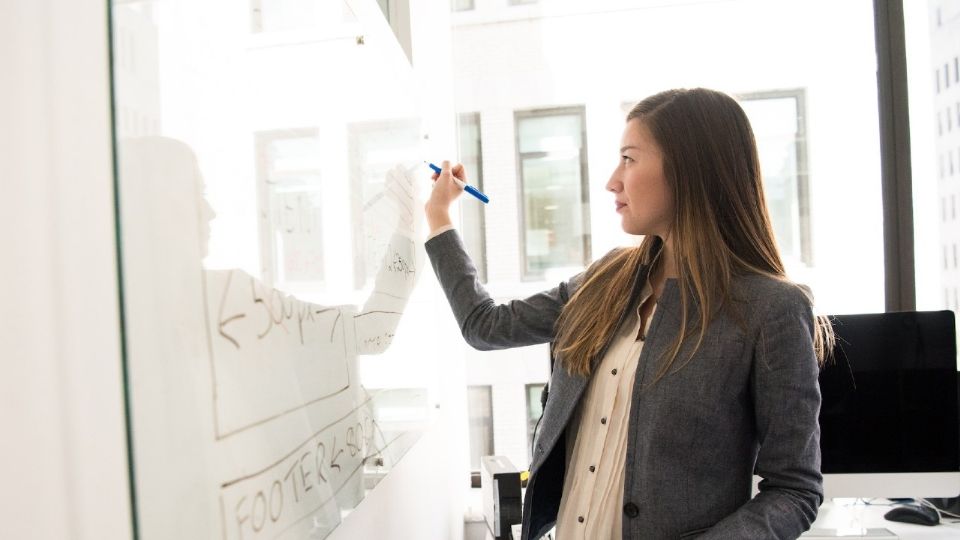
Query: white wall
[{"x": 64, "y": 463}]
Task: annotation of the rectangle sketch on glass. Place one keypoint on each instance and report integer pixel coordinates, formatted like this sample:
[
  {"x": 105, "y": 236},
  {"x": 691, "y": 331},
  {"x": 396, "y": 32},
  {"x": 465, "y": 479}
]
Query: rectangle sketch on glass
[{"x": 264, "y": 344}]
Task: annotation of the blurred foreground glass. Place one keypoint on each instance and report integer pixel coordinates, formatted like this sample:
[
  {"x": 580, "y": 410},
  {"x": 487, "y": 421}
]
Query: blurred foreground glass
[{"x": 270, "y": 244}]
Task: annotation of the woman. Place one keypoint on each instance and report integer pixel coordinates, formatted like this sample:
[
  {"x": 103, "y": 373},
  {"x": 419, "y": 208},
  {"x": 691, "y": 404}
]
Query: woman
[{"x": 681, "y": 367}]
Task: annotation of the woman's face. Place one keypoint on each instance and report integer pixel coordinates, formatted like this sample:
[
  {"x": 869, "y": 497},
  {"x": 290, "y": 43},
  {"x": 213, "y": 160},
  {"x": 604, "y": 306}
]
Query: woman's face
[{"x": 643, "y": 198}]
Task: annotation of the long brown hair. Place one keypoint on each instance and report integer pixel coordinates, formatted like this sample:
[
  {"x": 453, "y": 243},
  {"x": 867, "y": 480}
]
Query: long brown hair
[{"x": 721, "y": 229}]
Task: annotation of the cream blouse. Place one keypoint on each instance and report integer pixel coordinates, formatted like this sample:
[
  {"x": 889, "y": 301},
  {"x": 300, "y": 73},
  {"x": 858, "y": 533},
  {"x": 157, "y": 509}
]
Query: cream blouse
[{"x": 592, "y": 500}]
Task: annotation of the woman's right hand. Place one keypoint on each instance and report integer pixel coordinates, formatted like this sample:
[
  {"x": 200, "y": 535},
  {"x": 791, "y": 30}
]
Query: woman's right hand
[{"x": 445, "y": 191}]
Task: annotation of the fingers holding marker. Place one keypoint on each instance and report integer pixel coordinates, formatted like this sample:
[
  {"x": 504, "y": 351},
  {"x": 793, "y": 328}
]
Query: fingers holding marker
[
  {"x": 443, "y": 171},
  {"x": 459, "y": 173},
  {"x": 458, "y": 176}
]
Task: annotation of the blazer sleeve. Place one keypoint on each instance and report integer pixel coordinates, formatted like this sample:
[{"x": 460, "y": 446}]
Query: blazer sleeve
[
  {"x": 486, "y": 325},
  {"x": 786, "y": 397}
]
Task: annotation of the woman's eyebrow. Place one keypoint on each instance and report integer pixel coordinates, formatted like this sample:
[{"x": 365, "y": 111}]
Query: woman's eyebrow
[{"x": 625, "y": 148}]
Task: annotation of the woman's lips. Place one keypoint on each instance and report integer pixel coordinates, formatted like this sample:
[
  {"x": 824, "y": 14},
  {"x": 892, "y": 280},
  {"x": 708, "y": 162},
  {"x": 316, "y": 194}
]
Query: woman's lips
[{"x": 620, "y": 205}]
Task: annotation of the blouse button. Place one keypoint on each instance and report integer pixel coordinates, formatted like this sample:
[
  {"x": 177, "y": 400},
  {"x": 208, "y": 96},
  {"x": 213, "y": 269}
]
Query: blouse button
[
  {"x": 580, "y": 519},
  {"x": 603, "y": 420},
  {"x": 613, "y": 371},
  {"x": 592, "y": 468}
]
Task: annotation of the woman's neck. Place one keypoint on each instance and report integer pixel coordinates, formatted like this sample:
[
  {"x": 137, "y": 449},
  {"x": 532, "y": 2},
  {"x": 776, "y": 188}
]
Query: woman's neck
[{"x": 666, "y": 269}]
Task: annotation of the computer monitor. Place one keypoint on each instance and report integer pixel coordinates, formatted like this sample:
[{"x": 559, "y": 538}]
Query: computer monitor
[{"x": 890, "y": 422}]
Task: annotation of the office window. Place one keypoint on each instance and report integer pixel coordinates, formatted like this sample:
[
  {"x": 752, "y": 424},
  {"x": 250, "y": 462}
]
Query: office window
[
  {"x": 521, "y": 2},
  {"x": 555, "y": 214},
  {"x": 289, "y": 192},
  {"x": 534, "y": 412},
  {"x": 471, "y": 210},
  {"x": 480, "y": 412},
  {"x": 461, "y": 5},
  {"x": 778, "y": 120}
]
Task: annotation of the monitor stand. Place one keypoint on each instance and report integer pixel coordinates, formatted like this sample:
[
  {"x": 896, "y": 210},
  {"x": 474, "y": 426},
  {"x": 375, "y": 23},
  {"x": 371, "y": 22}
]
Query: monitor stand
[
  {"x": 951, "y": 504},
  {"x": 872, "y": 534}
]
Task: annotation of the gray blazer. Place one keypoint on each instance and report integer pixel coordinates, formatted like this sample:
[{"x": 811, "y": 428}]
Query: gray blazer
[{"x": 746, "y": 403}]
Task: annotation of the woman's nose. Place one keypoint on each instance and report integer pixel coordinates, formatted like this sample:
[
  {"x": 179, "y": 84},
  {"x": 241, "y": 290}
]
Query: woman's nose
[{"x": 613, "y": 184}]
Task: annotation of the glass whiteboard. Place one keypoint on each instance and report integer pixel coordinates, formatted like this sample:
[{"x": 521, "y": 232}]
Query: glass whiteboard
[{"x": 270, "y": 218}]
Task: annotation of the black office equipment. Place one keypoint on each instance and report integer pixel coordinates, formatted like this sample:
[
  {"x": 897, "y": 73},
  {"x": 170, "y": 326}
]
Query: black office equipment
[
  {"x": 890, "y": 399},
  {"x": 914, "y": 513},
  {"x": 500, "y": 488}
]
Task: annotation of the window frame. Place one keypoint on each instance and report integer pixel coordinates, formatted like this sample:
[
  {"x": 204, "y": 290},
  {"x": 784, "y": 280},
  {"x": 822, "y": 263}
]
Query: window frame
[
  {"x": 803, "y": 170},
  {"x": 492, "y": 434},
  {"x": 896, "y": 169},
  {"x": 518, "y": 117},
  {"x": 531, "y": 429},
  {"x": 476, "y": 179}
]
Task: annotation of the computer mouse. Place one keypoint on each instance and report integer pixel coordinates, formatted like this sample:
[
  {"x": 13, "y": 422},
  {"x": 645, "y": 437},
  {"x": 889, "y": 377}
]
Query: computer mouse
[{"x": 913, "y": 513}]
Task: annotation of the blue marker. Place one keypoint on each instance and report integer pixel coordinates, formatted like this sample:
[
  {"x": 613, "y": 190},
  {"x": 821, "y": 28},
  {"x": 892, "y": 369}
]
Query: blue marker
[{"x": 466, "y": 187}]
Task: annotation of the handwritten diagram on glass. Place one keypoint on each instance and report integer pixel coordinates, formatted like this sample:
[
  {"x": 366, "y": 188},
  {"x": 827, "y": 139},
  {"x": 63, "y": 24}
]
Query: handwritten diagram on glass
[
  {"x": 264, "y": 343},
  {"x": 271, "y": 245}
]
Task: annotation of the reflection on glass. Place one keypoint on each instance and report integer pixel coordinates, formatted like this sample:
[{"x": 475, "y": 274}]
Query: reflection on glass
[
  {"x": 555, "y": 200},
  {"x": 373, "y": 148},
  {"x": 461, "y": 5},
  {"x": 245, "y": 181},
  {"x": 290, "y": 195},
  {"x": 291, "y": 15}
]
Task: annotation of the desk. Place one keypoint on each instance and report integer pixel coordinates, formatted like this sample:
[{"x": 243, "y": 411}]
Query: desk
[
  {"x": 835, "y": 514},
  {"x": 854, "y": 513}
]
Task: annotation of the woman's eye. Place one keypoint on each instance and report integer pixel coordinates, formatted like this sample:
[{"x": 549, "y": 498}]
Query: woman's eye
[{"x": 625, "y": 158}]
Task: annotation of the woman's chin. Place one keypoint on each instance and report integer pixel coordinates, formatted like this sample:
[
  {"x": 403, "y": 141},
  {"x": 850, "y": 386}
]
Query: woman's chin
[{"x": 631, "y": 228}]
